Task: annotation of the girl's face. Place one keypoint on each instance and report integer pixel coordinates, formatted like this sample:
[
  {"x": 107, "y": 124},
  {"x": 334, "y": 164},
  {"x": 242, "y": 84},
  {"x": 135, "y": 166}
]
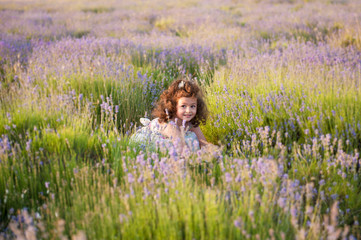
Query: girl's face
[{"x": 186, "y": 108}]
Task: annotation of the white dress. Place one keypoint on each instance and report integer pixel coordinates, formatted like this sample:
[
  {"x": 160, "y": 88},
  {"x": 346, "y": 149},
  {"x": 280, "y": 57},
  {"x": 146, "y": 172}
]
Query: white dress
[{"x": 150, "y": 135}]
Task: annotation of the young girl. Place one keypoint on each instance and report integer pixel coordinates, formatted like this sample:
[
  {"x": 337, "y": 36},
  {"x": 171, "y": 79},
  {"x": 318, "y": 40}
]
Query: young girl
[{"x": 178, "y": 113}]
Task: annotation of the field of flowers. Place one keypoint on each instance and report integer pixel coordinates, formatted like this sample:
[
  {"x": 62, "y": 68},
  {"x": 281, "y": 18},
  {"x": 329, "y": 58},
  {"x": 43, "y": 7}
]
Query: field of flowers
[{"x": 282, "y": 83}]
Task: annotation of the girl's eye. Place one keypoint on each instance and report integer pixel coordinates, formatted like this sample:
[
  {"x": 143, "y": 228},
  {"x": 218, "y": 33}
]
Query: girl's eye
[
  {"x": 193, "y": 106},
  {"x": 183, "y": 106}
]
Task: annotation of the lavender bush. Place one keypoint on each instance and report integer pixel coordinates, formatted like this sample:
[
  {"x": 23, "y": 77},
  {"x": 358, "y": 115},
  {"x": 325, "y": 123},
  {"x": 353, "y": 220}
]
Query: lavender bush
[{"x": 282, "y": 83}]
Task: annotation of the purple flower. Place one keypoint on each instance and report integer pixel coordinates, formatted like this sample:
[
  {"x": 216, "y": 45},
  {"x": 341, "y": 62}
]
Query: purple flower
[
  {"x": 130, "y": 178},
  {"x": 228, "y": 177},
  {"x": 28, "y": 145},
  {"x": 334, "y": 196},
  {"x": 238, "y": 223},
  {"x": 282, "y": 202},
  {"x": 294, "y": 211},
  {"x": 140, "y": 179},
  {"x": 238, "y": 178}
]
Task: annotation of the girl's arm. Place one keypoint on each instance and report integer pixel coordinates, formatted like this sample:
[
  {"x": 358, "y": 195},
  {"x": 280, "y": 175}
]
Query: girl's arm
[
  {"x": 201, "y": 138},
  {"x": 173, "y": 132}
]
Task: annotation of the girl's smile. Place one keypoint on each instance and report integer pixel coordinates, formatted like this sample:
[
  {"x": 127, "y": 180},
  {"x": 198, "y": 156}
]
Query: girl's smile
[{"x": 186, "y": 108}]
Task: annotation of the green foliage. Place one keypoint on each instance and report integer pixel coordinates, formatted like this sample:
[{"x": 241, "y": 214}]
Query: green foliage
[
  {"x": 291, "y": 107},
  {"x": 283, "y": 109},
  {"x": 80, "y": 33},
  {"x": 98, "y": 10}
]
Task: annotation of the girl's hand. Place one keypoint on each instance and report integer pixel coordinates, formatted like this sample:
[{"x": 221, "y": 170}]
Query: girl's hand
[
  {"x": 181, "y": 125},
  {"x": 173, "y": 131},
  {"x": 176, "y": 134}
]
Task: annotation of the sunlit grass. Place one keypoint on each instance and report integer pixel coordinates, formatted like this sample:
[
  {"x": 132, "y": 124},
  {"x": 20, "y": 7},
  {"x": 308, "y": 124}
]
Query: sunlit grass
[{"x": 284, "y": 100}]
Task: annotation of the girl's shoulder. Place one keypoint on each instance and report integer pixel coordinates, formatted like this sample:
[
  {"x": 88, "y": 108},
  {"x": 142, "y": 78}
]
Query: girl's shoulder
[{"x": 154, "y": 124}]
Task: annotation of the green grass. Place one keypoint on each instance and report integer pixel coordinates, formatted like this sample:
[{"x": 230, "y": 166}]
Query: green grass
[
  {"x": 76, "y": 161},
  {"x": 239, "y": 106},
  {"x": 288, "y": 131}
]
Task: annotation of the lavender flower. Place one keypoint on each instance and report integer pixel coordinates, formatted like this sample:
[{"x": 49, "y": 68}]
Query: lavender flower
[
  {"x": 228, "y": 177},
  {"x": 131, "y": 178}
]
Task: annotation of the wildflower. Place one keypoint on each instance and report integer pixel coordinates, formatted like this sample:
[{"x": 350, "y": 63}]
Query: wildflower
[
  {"x": 130, "y": 178},
  {"x": 283, "y": 191},
  {"x": 228, "y": 177},
  {"x": 28, "y": 145},
  {"x": 294, "y": 211},
  {"x": 297, "y": 196},
  {"x": 140, "y": 179},
  {"x": 282, "y": 202},
  {"x": 334, "y": 196},
  {"x": 238, "y": 223}
]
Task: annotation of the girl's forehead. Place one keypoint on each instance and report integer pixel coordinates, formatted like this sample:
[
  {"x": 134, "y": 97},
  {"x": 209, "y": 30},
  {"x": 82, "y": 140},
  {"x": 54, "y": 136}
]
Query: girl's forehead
[{"x": 187, "y": 100}]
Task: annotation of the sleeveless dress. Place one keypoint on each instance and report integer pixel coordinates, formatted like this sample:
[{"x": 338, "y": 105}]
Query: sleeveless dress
[{"x": 150, "y": 136}]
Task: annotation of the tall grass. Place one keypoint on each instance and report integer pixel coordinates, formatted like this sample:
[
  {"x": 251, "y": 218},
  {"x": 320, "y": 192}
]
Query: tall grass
[{"x": 283, "y": 92}]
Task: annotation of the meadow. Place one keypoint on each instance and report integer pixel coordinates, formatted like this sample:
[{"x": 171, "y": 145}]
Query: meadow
[{"x": 282, "y": 83}]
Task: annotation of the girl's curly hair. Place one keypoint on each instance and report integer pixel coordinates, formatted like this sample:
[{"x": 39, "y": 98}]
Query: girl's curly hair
[{"x": 169, "y": 98}]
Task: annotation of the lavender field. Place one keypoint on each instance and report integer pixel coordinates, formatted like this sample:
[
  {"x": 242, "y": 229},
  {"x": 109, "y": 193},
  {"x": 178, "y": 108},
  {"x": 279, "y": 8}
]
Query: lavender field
[{"x": 282, "y": 84}]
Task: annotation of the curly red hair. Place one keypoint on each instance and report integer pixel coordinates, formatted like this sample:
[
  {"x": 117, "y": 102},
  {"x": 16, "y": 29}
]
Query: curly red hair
[{"x": 169, "y": 98}]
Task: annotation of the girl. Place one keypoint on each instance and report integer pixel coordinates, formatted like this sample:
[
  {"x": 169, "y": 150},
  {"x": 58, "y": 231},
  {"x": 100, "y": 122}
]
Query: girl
[{"x": 178, "y": 113}]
